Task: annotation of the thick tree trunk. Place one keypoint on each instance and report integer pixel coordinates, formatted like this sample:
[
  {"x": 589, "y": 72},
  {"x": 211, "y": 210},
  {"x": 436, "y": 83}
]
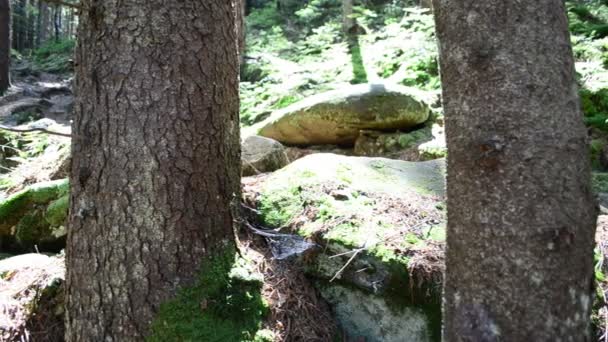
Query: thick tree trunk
[
  {"x": 5, "y": 45},
  {"x": 156, "y": 165},
  {"x": 521, "y": 213}
]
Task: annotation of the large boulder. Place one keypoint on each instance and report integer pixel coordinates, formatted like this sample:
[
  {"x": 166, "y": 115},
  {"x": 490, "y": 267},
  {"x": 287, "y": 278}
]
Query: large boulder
[
  {"x": 260, "y": 155},
  {"x": 31, "y": 297},
  {"x": 380, "y": 223},
  {"x": 336, "y": 117},
  {"x": 34, "y": 218}
]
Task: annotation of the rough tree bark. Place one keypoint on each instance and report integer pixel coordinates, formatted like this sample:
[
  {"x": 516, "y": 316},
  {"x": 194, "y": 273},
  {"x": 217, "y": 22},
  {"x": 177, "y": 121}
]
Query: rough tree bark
[
  {"x": 156, "y": 165},
  {"x": 521, "y": 213},
  {"x": 5, "y": 45}
]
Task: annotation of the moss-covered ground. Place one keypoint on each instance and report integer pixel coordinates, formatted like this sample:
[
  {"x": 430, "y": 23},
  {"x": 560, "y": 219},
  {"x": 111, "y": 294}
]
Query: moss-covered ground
[{"x": 224, "y": 305}]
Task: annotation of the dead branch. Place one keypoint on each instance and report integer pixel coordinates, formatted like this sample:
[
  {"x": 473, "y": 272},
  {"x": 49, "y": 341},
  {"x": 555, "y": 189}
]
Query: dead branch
[{"x": 29, "y": 130}]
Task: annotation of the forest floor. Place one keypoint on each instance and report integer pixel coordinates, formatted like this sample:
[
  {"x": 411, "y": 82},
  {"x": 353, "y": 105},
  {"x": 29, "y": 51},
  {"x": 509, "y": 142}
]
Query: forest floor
[{"x": 285, "y": 64}]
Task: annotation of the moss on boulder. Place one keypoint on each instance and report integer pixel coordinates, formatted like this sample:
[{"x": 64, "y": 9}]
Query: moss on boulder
[
  {"x": 381, "y": 223},
  {"x": 35, "y": 216}
]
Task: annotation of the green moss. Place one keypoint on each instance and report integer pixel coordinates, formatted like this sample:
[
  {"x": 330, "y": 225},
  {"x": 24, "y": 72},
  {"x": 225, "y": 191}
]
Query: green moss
[
  {"x": 225, "y": 304},
  {"x": 57, "y": 211},
  {"x": 31, "y": 229},
  {"x": 595, "y": 107},
  {"x": 430, "y": 153},
  {"x": 16, "y": 206},
  {"x": 279, "y": 206},
  {"x": 402, "y": 291},
  {"x": 600, "y": 182},
  {"x": 285, "y": 101}
]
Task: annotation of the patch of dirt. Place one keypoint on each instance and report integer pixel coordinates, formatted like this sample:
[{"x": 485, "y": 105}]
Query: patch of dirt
[{"x": 30, "y": 309}]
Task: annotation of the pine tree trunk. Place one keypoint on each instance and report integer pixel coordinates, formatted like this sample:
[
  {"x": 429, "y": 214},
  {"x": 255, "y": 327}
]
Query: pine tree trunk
[
  {"x": 521, "y": 213},
  {"x": 348, "y": 22},
  {"x": 57, "y": 22},
  {"x": 19, "y": 23},
  {"x": 240, "y": 26},
  {"x": 156, "y": 165},
  {"x": 31, "y": 25},
  {"x": 5, "y": 45},
  {"x": 38, "y": 24},
  {"x": 44, "y": 25}
]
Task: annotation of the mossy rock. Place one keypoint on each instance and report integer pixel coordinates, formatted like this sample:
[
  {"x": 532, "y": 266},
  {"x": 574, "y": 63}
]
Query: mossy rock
[
  {"x": 336, "y": 117},
  {"x": 390, "y": 211},
  {"x": 35, "y": 216}
]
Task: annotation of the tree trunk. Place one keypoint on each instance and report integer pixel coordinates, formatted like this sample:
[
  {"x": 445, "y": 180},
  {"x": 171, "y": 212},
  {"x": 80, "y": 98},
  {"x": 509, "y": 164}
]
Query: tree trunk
[
  {"x": 38, "y": 24},
  {"x": 348, "y": 22},
  {"x": 43, "y": 33},
  {"x": 521, "y": 213},
  {"x": 71, "y": 24},
  {"x": 31, "y": 25},
  {"x": 5, "y": 45},
  {"x": 57, "y": 22},
  {"x": 240, "y": 26},
  {"x": 19, "y": 25},
  {"x": 156, "y": 165}
]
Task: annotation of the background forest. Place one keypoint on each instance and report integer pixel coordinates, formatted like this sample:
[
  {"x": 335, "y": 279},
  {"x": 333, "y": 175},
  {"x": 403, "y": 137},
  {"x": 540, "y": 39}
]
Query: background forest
[{"x": 343, "y": 214}]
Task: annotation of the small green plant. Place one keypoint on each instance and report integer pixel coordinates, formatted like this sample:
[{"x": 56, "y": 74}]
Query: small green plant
[
  {"x": 317, "y": 12},
  {"x": 595, "y": 107},
  {"x": 423, "y": 72},
  {"x": 589, "y": 19},
  {"x": 285, "y": 101},
  {"x": 264, "y": 18}
]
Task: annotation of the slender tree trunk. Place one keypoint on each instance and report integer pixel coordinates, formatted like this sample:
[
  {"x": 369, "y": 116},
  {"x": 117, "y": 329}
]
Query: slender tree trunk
[
  {"x": 348, "y": 22},
  {"x": 38, "y": 24},
  {"x": 70, "y": 33},
  {"x": 521, "y": 213},
  {"x": 156, "y": 165},
  {"x": 240, "y": 26},
  {"x": 5, "y": 45},
  {"x": 57, "y": 22},
  {"x": 31, "y": 24},
  {"x": 19, "y": 22},
  {"x": 44, "y": 25}
]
